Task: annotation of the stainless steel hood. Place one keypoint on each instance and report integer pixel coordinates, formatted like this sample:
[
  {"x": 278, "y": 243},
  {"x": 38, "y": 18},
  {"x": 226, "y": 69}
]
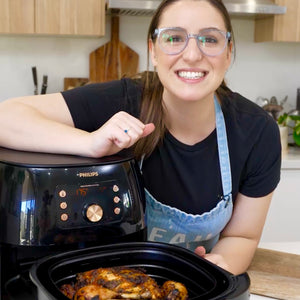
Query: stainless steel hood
[{"x": 250, "y": 8}]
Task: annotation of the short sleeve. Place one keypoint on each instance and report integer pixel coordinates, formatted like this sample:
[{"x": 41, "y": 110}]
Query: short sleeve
[
  {"x": 262, "y": 170},
  {"x": 92, "y": 105}
]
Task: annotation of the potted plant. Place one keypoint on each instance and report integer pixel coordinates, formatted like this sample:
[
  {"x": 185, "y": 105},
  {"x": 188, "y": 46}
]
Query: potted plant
[{"x": 292, "y": 122}]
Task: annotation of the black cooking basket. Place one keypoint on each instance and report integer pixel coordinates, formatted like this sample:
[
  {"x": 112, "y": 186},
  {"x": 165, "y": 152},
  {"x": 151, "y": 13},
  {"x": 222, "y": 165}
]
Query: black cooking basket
[{"x": 162, "y": 262}]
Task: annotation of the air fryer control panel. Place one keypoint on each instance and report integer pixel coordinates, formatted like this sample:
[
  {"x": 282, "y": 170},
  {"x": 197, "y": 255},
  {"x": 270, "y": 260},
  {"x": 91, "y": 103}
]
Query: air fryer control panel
[{"x": 83, "y": 205}]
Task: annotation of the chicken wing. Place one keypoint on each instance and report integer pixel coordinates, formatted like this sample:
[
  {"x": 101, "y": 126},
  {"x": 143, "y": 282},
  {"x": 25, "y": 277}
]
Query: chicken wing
[
  {"x": 172, "y": 290},
  {"x": 94, "y": 292}
]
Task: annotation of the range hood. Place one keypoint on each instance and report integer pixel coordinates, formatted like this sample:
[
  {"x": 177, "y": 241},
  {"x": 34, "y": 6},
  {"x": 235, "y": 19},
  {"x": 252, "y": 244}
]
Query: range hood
[{"x": 250, "y": 8}]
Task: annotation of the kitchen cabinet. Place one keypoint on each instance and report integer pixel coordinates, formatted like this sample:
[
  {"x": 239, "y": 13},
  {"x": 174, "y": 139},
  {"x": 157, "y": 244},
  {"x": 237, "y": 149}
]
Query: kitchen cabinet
[
  {"x": 280, "y": 28},
  {"x": 17, "y": 16},
  {"x": 70, "y": 17},
  {"x": 53, "y": 17}
]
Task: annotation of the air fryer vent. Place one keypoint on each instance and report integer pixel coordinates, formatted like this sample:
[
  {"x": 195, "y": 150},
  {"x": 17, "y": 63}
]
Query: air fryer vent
[
  {"x": 242, "y": 8},
  {"x": 131, "y": 12}
]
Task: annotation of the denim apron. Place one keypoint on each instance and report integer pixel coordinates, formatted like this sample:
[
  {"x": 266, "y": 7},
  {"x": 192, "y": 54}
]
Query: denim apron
[{"x": 170, "y": 225}]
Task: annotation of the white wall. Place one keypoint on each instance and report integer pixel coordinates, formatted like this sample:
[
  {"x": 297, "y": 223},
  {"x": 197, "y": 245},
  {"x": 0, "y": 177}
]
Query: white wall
[{"x": 264, "y": 69}]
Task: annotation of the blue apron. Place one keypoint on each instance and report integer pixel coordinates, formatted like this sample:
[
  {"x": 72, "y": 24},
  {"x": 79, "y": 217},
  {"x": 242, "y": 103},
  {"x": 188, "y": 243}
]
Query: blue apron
[{"x": 171, "y": 225}]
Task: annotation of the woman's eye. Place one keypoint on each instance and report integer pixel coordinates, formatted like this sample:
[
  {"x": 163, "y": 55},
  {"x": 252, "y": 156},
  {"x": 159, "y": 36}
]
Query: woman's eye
[
  {"x": 173, "y": 38},
  {"x": 177, "y": 38},
  {"x": 208, "y": 39}
]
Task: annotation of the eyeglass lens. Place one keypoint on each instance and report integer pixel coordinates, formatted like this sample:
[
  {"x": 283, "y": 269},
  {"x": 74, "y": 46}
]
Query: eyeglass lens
[{"x": 211, "y": 42}]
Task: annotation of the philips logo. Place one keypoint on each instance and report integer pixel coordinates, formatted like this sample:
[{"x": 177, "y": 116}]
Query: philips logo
[{"x": 88, "y": 174}]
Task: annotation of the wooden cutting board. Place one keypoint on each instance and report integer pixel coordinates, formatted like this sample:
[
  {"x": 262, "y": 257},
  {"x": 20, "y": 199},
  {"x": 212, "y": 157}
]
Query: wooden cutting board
[
  {"x": 275, "y": 274},
  {"x": 114, "y": 59},
  {"x": 73, "y": 82}
]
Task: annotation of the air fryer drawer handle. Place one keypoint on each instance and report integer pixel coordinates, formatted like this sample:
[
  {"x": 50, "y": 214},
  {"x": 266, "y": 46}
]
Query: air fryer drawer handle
[
  {"x": 241, "y": 291},
  {"x": 20, "y": 288}
]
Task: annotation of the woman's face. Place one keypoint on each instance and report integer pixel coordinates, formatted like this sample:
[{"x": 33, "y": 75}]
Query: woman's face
[{"x": 174, "y": 70}]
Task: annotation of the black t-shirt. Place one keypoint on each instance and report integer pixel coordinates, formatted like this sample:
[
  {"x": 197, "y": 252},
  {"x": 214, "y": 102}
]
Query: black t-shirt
[{"x": 188, "y": 177}]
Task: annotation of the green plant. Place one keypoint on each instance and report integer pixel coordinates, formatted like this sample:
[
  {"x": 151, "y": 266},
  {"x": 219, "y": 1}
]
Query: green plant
[{"x": 292, "y": 122}]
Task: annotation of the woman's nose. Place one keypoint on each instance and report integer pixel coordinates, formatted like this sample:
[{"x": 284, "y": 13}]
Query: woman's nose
[{"x": 192, "y": 51}]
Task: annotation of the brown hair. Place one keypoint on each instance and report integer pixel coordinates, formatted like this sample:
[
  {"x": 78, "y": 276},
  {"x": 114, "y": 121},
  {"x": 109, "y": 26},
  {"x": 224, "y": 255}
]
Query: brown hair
[{"x": 152, "y": 107}]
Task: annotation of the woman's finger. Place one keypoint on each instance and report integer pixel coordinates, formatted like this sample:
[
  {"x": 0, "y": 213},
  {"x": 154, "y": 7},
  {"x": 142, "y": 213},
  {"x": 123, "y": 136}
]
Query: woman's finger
[{"x": 200, "y": 251}]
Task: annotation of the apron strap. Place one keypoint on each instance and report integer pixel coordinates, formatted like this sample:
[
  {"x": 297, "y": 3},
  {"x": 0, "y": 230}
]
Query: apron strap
[{"x": 223, "y": 150}]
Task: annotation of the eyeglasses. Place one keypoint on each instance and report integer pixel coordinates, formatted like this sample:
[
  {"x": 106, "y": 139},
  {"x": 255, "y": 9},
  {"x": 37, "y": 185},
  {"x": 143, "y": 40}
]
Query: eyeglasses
[{"x": 174, "y": 40}]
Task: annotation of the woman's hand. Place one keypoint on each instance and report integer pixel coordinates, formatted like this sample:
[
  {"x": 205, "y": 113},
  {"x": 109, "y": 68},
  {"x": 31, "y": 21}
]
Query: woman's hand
[
  {"x": 216, "y": 259},
  {"x": 121, "y": 131}
]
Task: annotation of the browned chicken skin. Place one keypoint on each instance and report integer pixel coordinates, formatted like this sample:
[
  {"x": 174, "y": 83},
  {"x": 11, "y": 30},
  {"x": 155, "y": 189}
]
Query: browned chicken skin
[
  {"x": 121, "y": 283},
  {"x": 94, "y": 292},
  {"x": 172, "y": 290}
]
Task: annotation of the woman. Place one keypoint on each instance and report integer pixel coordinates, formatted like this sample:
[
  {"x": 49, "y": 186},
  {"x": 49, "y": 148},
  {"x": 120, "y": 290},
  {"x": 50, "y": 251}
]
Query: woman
[{"x": 210, "y": 158}]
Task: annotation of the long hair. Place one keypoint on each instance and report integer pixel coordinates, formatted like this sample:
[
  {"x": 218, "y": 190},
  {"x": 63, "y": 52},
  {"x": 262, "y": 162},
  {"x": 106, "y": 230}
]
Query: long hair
[{"x": 152, "y": 110}]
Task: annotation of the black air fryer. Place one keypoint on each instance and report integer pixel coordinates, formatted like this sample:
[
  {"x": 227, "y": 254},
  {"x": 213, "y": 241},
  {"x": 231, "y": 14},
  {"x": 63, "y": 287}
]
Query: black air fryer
[
  {"x": 50, "y": 204},
  {"x": 62, "y": 215}
]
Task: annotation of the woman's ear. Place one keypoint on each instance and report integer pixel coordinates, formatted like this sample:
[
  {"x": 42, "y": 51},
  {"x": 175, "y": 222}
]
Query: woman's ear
[
  {"x": 152, "y": 53},
  {"x": 230, "y": 48},
  {"x": 229, "y": 54}
]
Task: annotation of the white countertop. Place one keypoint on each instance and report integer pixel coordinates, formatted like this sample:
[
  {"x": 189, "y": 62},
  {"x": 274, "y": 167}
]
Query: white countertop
[
  {"x": 291, "y": 158},
  {"x": 289, "y": 247}
]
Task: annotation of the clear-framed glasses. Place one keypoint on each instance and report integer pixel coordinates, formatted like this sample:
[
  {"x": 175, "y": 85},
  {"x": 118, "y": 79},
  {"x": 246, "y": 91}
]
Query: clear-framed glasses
[{"x": 210, "y": 41}]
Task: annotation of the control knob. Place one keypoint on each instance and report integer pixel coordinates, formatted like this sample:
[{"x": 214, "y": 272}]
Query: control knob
[{"x": 94, "y": 213}]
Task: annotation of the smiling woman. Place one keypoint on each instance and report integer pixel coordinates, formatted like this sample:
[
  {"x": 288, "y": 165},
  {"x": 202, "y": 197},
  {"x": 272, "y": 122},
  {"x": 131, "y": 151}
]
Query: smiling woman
[{"x": 210, "y": 158}]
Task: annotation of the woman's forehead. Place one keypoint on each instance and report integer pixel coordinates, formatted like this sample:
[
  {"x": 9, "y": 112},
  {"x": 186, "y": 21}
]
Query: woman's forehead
[{"x": 190, "y": 14}]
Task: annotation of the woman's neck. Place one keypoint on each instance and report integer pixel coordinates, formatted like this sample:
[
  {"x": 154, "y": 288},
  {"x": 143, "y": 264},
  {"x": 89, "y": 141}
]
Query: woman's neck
[{"x": 190, "y": 122}]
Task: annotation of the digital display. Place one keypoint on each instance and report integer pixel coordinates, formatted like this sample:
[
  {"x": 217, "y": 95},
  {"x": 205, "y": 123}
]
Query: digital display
[{"x": 83, "y": 190}]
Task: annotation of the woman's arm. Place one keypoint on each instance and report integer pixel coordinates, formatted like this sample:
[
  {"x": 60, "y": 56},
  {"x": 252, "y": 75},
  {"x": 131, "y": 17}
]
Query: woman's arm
[
  {"x": 238, "y": 241},
  {"x": 44, "y": 124}
]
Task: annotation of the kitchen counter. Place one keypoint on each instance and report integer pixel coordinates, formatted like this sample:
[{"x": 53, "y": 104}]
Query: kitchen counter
[
  {"x": 289, "y": 247},
  {"x": 291, "y": 158}
]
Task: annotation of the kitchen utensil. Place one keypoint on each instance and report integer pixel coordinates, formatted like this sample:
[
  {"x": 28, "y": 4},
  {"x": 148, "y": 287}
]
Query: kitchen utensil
[
  {"x": 275, "y": 274},
  {"x": 53, "y": 203},
  {"x": 272, "y": 106},
  {"x": 114, "y": 59},
  {"x": 44, "y": 85},
  {"x": 35, "y": 80},
  {"x": 296, "y": 112},
  {"x": 203, "y": 279}
]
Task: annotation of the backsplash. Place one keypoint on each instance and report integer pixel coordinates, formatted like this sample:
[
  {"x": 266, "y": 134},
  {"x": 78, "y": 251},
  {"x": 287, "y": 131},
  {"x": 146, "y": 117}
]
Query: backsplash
[{"x": 259, "y": 69}]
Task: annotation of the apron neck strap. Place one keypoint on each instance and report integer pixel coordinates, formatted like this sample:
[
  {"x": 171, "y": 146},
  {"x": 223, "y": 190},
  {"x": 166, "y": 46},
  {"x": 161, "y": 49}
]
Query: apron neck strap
[{"x": 223, "y": 149}]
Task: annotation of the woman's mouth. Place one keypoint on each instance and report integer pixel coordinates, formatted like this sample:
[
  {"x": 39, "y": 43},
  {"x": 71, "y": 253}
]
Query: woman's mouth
[{"x": 190, "y": 74}]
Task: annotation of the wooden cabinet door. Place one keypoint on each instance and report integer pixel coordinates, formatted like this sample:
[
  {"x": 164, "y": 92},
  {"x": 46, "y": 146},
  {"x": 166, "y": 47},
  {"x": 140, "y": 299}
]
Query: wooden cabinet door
[
  {"x": 281, "y": 28},
  {"x": 17, "y": 16},
  {"x": 70, "y": 17}
]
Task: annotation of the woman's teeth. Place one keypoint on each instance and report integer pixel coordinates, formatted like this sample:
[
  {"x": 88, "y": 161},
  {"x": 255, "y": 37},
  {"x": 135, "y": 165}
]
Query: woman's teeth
[{"x": 190, "y": 75}]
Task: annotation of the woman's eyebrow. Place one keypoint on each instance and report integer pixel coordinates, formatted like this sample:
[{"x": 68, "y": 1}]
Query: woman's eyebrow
[{"x": 210, "y": 28}]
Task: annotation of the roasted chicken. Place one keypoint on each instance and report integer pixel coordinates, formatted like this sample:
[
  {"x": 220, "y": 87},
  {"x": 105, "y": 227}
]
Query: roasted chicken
[
  {"x": 172, "y": 290},
  {"x": 121, "y": 283},
  {"x": 94, "y": 292}
]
